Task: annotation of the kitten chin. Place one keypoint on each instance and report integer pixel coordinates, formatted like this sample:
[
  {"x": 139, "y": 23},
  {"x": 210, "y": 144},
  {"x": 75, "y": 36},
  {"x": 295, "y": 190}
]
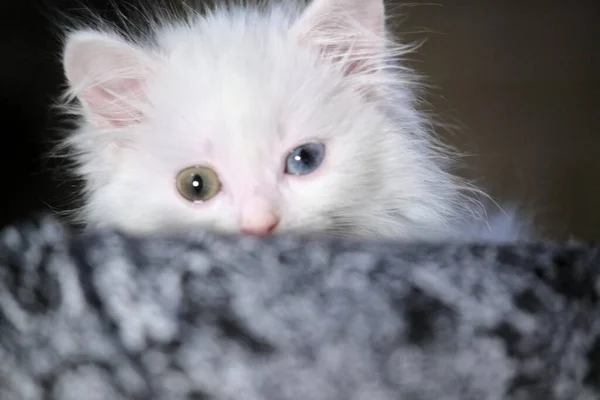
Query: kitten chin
[{"x": 285, "y": 118}]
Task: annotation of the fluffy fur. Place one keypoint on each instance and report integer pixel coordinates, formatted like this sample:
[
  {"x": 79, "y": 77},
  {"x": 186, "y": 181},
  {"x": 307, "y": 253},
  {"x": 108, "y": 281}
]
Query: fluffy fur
[{"x": 236, "y": 88}]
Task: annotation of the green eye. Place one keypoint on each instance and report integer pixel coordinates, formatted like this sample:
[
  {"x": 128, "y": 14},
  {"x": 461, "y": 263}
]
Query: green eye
[{"x": 198, "y": 184}]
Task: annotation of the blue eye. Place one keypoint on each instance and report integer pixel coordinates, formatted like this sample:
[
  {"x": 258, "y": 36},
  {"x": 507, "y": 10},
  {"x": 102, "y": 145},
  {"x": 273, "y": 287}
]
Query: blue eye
[{"x": 304, "y": 159}]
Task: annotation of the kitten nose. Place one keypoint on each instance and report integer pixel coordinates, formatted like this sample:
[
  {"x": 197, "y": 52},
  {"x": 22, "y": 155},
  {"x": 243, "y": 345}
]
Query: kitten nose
[
  {"x": 259, "y": 219},
  {"x": 259, "y": 230}
]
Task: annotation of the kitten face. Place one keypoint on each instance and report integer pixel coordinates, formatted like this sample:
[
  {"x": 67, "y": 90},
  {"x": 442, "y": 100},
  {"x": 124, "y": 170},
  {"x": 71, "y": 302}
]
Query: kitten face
[
  {"x": 242, "y": 121},
  {"x": 223, "y": 103}
]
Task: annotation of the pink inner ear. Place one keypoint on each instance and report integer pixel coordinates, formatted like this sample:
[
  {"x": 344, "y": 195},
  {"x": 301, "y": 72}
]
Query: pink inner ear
[
  {"x": 338, "y": 53},
  {"x": 349, "y": 31},
  {"x": 350, "y": 66},
  {"x": 116, "y": 104}
]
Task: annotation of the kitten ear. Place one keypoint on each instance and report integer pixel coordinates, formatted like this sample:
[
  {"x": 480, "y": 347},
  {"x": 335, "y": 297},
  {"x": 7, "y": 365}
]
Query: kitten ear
[
  {"x": 351, "y": 32},
  {"x": 108, "y": 75}
]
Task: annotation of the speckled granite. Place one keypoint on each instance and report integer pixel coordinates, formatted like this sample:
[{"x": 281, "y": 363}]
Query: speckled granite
[{"x": 199, "y": 316}]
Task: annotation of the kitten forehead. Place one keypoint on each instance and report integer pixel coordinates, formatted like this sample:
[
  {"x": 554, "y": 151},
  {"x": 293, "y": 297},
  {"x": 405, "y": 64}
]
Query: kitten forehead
[{"x": 242, "y": 89}]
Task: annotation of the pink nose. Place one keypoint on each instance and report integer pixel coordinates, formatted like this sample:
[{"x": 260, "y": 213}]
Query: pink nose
[
  {"x": 259, "y": 230},
  {"x": 258, "y": 218}
]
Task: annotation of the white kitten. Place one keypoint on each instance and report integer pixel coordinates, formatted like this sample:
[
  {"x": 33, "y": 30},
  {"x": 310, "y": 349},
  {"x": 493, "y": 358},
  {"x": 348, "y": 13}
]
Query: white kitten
[{"x": 279, "y": 119}]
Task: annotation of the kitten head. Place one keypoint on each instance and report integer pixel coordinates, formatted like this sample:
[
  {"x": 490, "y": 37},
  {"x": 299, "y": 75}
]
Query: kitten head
[{"x": 256, "y": 120}]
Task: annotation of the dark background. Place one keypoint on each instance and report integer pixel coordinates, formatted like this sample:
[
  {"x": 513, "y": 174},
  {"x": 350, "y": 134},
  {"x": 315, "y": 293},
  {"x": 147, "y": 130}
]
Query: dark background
[{"x": 519, "y": 80}]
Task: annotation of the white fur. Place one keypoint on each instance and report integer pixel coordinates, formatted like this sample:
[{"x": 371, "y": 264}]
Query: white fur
[{"x": 236, "y": 90}]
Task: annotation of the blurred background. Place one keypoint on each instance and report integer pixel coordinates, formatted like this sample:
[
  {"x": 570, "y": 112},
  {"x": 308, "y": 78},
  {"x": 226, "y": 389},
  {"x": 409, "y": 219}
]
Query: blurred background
[{"x": 518, "y": 81}]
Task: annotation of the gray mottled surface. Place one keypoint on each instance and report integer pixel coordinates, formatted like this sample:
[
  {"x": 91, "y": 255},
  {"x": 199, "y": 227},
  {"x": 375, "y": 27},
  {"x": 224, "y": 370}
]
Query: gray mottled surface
[{"x": 105, "y": 316}]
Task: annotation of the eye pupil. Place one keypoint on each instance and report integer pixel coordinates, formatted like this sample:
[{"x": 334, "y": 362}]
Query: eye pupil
[
  {"x": 197, "y": 183},
  {"x": 304, "y": 156}
]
